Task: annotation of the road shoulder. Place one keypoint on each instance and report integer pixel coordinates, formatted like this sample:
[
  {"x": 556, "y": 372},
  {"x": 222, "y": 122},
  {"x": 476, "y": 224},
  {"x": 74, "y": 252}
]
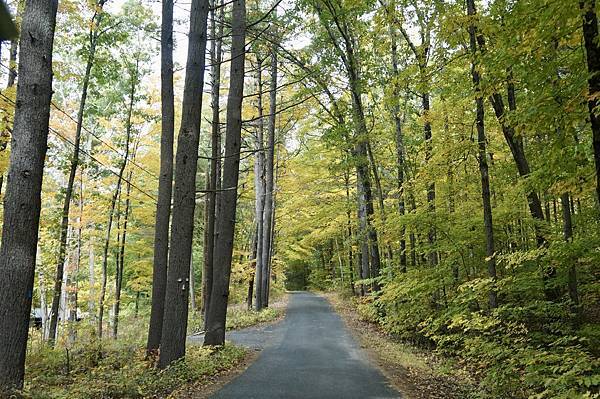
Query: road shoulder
[{"x": 415, "y": 374}]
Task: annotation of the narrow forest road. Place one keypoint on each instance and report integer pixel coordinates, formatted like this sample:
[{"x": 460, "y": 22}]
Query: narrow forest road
[{"x": 310, "y": 354}]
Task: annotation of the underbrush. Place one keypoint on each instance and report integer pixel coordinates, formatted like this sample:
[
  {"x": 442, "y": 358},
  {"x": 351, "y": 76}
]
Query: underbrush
[
  {"x": 525, "y": 348},
  {"x": 117, "y": 369}
]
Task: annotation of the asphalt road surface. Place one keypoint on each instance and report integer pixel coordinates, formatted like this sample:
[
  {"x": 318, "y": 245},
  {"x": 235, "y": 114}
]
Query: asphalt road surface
[{"x": 309, "y": 354}]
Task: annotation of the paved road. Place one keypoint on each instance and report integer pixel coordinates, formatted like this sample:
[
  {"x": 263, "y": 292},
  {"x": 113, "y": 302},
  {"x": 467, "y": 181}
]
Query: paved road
[{"x": 310, "y": 354}]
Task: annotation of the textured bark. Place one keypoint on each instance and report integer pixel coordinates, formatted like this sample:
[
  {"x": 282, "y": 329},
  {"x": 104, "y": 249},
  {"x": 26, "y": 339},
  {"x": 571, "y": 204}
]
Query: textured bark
[
  {"x": 215, "y": 334},
  {"x": 184, "y": 195},
  {"x": 64, "y": 225},
  {"x": 165, "y": 181},
  {"x": 259, "y": 190},
  {"x": 269, "y": 183},
  {"x": 134, "y": 82},
  {"x": 482, "y": 159},
  {"x": 215, "y": 141},
  {"x": 592, "y": 51},
  {"x": 23, "y": 191}
]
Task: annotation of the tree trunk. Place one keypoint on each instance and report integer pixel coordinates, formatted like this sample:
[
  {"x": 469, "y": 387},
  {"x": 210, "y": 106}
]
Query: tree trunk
[
  {"x": 122, "y": 244},
  {"x": 165, "y": 182},
  {"x": 211, "y": 195},
  {"x": 174, "y": 330},
  {"x": 568, "y": 236},
  {"x": 23, "y": 191},
  {"x": 482, "y": 160},
  {"x": 592, "y": 51},
  {"x": 215, "y": 334},
  {"x": 128, "y": 125},
  {"x": 192, "y": 283},
  {"x": 64, "y": 225},
  {"x": 269, "y": 182},
  {"x": 399, "y": 141},
  {"x": 92, "y": 279},
  {"x": 260, "y": 192}
]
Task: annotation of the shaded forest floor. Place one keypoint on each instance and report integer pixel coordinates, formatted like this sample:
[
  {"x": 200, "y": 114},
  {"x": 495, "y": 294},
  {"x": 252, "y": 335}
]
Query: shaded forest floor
[{"x": 417, "y": 374}]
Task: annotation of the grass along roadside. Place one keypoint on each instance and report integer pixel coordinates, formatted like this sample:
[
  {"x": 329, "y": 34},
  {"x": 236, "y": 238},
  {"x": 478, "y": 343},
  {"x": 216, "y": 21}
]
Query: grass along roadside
[
  {"x": 239, "y": 316},
  {"x": 415, "y": 373}
]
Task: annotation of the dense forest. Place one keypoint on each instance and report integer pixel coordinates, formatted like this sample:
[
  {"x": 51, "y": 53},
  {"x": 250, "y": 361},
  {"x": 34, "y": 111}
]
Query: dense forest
[{"x": 170, "y": 167}]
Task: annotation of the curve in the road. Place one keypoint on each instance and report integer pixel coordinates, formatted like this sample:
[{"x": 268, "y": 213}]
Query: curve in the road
[{"x": 310, "y": 354}]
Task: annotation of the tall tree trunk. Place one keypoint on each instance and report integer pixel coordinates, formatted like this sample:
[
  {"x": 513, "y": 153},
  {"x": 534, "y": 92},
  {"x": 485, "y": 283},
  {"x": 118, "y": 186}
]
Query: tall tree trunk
[
  {"x": 399, "y": 141},
  {"x": 215, "y": 334},
  {"x": 12, "y": 63},
  {"x": 64, "y": 225},
  {"x": 269, "y": 181},
  {"x": 122, "y": 244},
  {"x": 165, "y": 182},
  {"x": 24, "y": 186},
  {"x": 592, "y": 51},
  {"x": 260, "y": 192},
  {"x": 211, "y": 196},
  {"x": 482, "y": 159},
  {"x": 128, "y": 125},
  {"x": 174, "y": 330}
]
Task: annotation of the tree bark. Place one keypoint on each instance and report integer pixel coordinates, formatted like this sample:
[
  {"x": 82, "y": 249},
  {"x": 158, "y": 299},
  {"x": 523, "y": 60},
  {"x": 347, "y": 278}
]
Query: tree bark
[
  {"x": 260, "y": 192},
  {"x": 211, "y": 195},
  {"x": 592, "y": 51},
  {"x": 174, "y": 330},
  {"x": 23, "y": 191},
  {"x": 64, "y": 225},
  {"x": 215, "y": 334},
  {"x": 165, "y": 182},
  {"x": 482, "y": 159},
  {"x": 269, "y": 182}
]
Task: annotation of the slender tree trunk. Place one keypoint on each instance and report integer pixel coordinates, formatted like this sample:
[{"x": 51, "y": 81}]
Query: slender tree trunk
[
  {"x": 269, "y": 182},
  {"x": 192, "y": 284},
  {"x": 174, "y": 330},
  {"x": 12, "y": 63},
  {"x": 62, "y": 245},
  {"x": 253, "y": 245},
  {"x": 592, "y": 51},
  {"x": 260, "y": 192},
  {"x": 24, "y": 186},
  {"x": 128, "y": 127},
  {"x": 91, "y": 279},
  {"x": 399, "y": 141},
  {"x": 215, "y": 335},
  {"x": 568, "y": 236},
  {"x": 211, "y": 195},
  {"x": 122, "y": 244},
  {"x": 165, "y": 182},
  {"x": 482, "y": 159}
]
